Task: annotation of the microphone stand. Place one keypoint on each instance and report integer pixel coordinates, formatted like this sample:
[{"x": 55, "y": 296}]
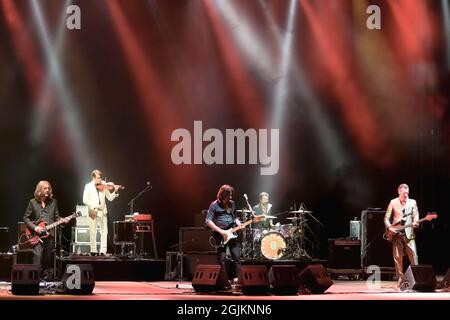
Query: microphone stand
[
  {"x": 148, "y": 187},
  {"x": 131, "y": 203},
  {"x": 252, "y": 245}
]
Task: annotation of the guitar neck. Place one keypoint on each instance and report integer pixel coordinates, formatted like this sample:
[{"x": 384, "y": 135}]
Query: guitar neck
[
  {"x": 410, "y": 224},
  {"x": 244, "y": 224},
  {"x": 57, "y": 223},
  {"x": 54, "y": 224}
]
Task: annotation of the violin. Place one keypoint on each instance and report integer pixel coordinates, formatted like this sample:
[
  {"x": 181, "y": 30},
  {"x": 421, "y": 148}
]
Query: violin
[{"x": 108, "y": 186}]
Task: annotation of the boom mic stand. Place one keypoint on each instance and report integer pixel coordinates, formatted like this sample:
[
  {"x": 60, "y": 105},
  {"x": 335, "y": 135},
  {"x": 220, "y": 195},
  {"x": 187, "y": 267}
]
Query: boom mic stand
[{"x": 148, "y": 187}]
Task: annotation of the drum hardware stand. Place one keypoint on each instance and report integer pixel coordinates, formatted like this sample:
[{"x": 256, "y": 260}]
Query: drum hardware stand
[{"x": 250, "y": 250}]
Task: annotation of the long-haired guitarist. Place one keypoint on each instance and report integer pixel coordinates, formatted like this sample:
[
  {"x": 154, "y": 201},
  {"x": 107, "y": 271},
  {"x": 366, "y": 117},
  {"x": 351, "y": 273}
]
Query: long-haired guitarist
[
  {"x": 42, "y": 208},
  {"x": 402, "y": 210},
  {"x": 221, "y": 216}
]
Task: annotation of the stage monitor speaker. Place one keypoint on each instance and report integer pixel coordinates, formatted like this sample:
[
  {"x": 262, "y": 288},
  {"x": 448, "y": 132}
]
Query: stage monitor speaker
[
  {"x": 208, "y": 278},
  {"x": 78, "y": 279},
  {"x": 419, "y": 278},
  {"x": 374, "y": 249},
  {"x": 25, "y": 279},
  {"x": 283, "y": 279},
  {"x": 315, "y": 278},
  {"x": 254, "y": 279},
  {"x": 445, "y": 283},
  {"x": 190, "y": 261}
]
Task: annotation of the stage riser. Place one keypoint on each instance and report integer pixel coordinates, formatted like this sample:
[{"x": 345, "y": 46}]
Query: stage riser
[
  {"x": 104, "y": 270},
  {"x": 125, "y": 270}
]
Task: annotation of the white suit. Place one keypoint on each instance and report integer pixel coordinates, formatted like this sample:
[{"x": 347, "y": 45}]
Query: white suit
[
  {"x": 95, "y": 200},
  {"x": 410, "y": 213}
]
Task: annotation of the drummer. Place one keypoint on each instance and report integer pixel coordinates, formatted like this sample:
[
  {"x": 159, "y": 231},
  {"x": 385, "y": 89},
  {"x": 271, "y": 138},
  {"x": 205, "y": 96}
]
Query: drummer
[{"x": 263, "y": 208}]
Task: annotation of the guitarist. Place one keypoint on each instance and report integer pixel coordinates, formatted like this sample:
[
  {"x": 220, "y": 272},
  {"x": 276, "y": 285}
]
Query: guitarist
[
  {"x": 402, "y": 210},
  {"x": 222, "y": 216},
  {"x": 43, "y": 207}
]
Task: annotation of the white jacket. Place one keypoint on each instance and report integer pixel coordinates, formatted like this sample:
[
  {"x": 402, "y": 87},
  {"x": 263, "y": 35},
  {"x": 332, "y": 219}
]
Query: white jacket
[{"x": 91, "y": 199}]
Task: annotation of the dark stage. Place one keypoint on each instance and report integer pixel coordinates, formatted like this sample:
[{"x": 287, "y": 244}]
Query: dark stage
[{"x": 318, "y": 129}]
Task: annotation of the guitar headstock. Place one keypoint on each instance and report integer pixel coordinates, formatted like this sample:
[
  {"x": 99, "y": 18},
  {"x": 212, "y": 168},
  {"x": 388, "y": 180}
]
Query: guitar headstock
[
  {"x": 76, "y": 214},
  {"x": 431, "y": 215}
]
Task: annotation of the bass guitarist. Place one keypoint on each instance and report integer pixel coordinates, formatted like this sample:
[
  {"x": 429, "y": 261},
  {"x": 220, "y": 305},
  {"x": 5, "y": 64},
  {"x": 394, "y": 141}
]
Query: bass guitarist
[
  {"x": 43, "y": 208},
  {"x": 220, "y": 217},
  {"x": 402, "y": 210}
]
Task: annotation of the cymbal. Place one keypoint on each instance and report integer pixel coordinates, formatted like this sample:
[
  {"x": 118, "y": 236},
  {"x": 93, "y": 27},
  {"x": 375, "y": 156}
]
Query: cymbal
[
  {"x": 294, "y": 218},
  {"x": 271, "y": 217},
  {"x": 300, "y": 211},
  {"x": 245, "y": 210}
]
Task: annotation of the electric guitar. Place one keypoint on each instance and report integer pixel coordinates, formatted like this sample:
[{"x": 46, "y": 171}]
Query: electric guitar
[
  {"x": 401, "y": 226},
  {"x": 34, "y": 238},
  {"x": 231, "y": 233}
]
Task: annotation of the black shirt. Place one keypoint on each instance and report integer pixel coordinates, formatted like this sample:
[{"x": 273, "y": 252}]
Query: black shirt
[
  {"x": 223, "y": 218},
  {"x": 36, "y": 214}
]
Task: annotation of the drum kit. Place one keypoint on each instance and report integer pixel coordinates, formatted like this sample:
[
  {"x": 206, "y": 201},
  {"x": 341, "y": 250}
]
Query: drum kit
[{"x": 279, "y": 242}]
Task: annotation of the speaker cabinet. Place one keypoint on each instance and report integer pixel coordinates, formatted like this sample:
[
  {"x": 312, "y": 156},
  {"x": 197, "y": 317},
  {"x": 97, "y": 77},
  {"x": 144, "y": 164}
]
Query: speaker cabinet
[
  {"x": 344, "y": 254},
  {"x": 78, "y": 279},
  {"x": 4, "y": 239},
  {"x": 374, "y": 249},
  {"x": 419, "y": 278},
  {"x": 254, "y": 279},
  {"x": 209, "y": 278},
  {"x": 25, "y": 279},
  {"x": 315, "y": 278},
  {"x": 193, "y": 239},
  {"x": 283, "y": 279}
]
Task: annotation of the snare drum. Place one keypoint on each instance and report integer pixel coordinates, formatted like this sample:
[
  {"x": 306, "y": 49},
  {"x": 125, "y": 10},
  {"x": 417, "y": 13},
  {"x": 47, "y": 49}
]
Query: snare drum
[
  {"x": 273, "y": 245},
  {"x": 123, "y": 231}
]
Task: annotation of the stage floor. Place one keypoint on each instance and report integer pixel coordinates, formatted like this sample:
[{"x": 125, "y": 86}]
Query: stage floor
[{"x": 170, "y": 290}]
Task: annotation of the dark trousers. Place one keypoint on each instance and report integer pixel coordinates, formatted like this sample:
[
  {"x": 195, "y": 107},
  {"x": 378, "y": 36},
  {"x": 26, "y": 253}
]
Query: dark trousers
[
  {"x": 235, "y": 251},
  {"x": 43, "y": 254}
]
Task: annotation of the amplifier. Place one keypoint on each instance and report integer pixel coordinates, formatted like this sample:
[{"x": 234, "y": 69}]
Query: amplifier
[
  {"x": 80, "y": 235},
  {"x": 4, "y": 239},
  {"x": 344, "y": 254},
  {"x": 195, "y": 239},
  {"x": 374, "y": 249},
  {"x": 82, "y": 221},
  {"x": 6, "y": 262}
]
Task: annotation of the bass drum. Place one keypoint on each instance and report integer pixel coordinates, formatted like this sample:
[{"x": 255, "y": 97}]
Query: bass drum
[{"x": 273, "y": 245}]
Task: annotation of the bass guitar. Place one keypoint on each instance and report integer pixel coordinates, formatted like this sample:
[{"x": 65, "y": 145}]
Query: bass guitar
[{"x": 401, "y": 226}]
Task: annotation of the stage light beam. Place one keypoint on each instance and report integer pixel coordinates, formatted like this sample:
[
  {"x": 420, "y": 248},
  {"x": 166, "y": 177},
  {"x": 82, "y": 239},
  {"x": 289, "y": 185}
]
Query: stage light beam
[
  {"x": 446, "y": 14},
  {"x": 67, "y": 103}
]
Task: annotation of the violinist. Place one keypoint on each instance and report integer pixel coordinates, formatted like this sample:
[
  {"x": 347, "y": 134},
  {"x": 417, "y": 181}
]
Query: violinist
[{"x": 94, "y": 196}]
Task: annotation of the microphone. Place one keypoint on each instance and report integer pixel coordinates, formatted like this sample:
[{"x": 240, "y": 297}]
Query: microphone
[{"x": 245, "y": 196}]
